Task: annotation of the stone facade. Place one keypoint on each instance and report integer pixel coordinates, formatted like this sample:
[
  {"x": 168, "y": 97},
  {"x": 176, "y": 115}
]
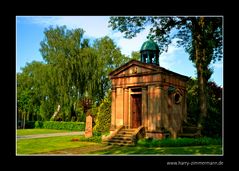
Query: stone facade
[{"x": 148, "y": 95}]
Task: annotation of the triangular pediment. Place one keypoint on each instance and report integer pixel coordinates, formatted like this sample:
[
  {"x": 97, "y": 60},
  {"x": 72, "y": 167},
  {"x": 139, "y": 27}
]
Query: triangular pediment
[{"x": 134, "y": 67}]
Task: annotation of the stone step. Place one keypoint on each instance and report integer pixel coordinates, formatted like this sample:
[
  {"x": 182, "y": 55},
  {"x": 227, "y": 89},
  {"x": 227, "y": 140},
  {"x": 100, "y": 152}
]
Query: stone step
[
  {"x": 188, "y": 135},
  {"x": 120, "y": 141},
  {"x": 122, "y": 138},
  {"x": 191, "y": 129},
  {"x": 124, "y": 134},
  {"x": 128, "y": 130},
  {"x": 121, "y": 144}
]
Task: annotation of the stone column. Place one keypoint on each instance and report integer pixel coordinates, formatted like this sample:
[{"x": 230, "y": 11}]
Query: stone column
[
  {"x": 113, "y": 109},
  {"x": 144, "y": 108},
  {"x": 126, "y": 107}
]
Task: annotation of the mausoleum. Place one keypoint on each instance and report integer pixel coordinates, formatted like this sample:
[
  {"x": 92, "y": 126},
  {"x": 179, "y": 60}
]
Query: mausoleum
[{"x": 148, "y": 96}]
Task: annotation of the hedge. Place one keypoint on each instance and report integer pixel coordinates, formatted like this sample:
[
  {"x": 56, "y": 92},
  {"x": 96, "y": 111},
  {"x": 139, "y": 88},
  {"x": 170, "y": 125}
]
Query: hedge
[
  {"x": 29, "y": 124},
  {"x": 179, "y": 142},
  {"x": 72, "y": 126}
]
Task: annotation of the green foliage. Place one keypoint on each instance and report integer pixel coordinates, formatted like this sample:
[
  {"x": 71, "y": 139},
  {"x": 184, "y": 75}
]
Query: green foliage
[
  {"x": 162, "y": 28},
  {"x": 97, "y": 133},
  {"x": 29, "y": 124},
  {"x": 46, "y": 109},
  {"x": 179, "y": 142},
  {"x": 103, "y": 118},
  {"x": 201, "y": 38},
  {"x": 212, "y": 126},
  {"x": 38, "y": 124},
  {"x": 192, "y": 102},
  {"x": 30, "y": 91},
  {"x": 73, "y": 69},
  {"x": 72, "y": 126},
  {"x": 80, "y": 114},
  {"x": 213, "y": 121},
  {"x": 94, "y": 138},
  {"x": 135, "y": 55}
]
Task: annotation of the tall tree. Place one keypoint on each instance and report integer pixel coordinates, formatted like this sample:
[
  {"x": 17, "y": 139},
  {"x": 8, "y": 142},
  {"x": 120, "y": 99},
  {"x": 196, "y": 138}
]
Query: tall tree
[
  {"x": 79, "y": 71},
  {"x": 74, "y": 72},
  {"x": 30, "y": 90},
  {"x": 200, "y": 36},
  {"x": 135, "y": 55},
  {"x": 73, "y": 66},
  {"x": 109, "y": 57},
  {"x": 213, "y": 125}
]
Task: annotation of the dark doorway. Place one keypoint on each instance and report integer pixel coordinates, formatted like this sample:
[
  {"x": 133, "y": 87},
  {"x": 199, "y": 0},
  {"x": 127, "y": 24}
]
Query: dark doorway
[{"x": 136, "y": 110}]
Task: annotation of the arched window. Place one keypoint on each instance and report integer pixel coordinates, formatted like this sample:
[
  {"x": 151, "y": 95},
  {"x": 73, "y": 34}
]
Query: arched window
[{"x": 177, "y": 98}]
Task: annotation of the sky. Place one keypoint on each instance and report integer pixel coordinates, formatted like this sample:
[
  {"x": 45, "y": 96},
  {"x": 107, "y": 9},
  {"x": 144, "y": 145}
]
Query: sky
[{"x": 30, "y": 32}]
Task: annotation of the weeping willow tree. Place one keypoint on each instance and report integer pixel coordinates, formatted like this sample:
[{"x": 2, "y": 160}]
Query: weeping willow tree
[{"x": 77, "y": 70}]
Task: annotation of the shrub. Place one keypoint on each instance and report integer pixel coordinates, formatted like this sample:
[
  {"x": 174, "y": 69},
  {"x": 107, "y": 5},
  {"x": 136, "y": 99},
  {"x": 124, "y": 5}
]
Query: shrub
[
  {"x": 96, "y": 139},
  {"x": 179, "y": 142},
  {"x": 38, "y": 124},
  {"x": 97, "y": 133},
  {"x": 72, "y": 126},
  {"x": 212, "y": 125},
  {"x": 29, "y": 124},
  {"x": 103, "y": 119}
]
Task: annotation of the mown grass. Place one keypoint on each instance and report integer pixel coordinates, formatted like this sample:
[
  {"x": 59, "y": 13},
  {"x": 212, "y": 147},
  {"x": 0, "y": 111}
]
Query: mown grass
[
  {"x": 38, "y": 131},
  {"x": 200, "y": 146},
  {"x": 49, "y": 145},
  {"x": 41, "y": 145},
  {"x": 139, "y": 150}
]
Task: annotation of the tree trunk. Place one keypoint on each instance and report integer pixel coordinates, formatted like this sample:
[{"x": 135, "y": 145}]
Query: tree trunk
[
  {"x": 24, "y": 119},
  {"x": 202, "y": 95},
  {"x": 200, "y": 60}
]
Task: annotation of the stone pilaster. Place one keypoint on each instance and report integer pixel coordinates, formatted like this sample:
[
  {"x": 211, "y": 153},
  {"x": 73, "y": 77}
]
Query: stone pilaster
[
  {"x": 129, "y": 109},
  {"x": 144, "y": 108},
  {"x": 119, "y": 107},
  {"x": 113, "y": 109},
  {"x": 126, "y": 107},
  {"x": 151, "y": 117},
  {"x": 157, "y": 106}
]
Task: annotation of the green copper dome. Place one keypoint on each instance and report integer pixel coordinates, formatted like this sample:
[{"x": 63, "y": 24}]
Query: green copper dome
[
  {"x": 149, "y": 45},
  {"x": 149, "y": 52}
]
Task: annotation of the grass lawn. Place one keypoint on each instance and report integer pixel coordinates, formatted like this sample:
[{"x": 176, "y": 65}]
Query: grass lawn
[
  {"x": 38, "y": 131},
  {"x": 44, "y": 145},
  {"x": 64, "y": 145},
  {"x": 192, "y": 150}
]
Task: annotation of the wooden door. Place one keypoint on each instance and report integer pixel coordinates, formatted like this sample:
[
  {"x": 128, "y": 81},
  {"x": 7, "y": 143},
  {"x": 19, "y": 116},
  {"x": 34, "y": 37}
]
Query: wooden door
[{"x": 136, "y": 110}]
